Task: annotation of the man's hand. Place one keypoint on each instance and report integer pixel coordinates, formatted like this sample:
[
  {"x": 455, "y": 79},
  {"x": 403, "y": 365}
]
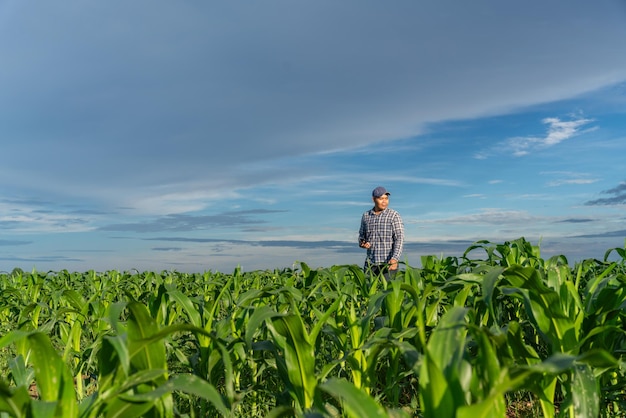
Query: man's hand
[{"x": 393, "y": 264}]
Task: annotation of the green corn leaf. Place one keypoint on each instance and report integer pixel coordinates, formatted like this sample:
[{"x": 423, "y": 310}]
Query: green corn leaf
[
  {"x": 493, "y": 406},
  {"x": 545, "y": 307},
  {"x": 119, "y": 408},
  {"x": 13, "y": 337},
  {"x": 488, "y": 285},
  {"x": 14, "y": 402},
  {"x": 141, "y": 377},
  {"x": 72, "y": 344},
  {"x": 249, "y": 298},
  {"x": 620, "y": 252},
  {"x": 75, "y": 300},
  {"x": 142, "y": 326},
  {"x": 517, "y": 345},
  {"x": 229, "y": 385},
  {"x": 44, "y": 409},
  {"x": 616, "y": 332},
  {"x": 447, "y": 342},
  {"x": 312, "y": 337},
  {"x": 598, "y": 281},
  {"x": 585, "y": 392},
  {"x": 187, "y": 383},
  {"x": 118, "y": 397},
  {"x": 555, "y": 364},
  {"x": 185, "y": 302},
  {"x": 113, "y": 354},
  {"x": 194, "y": 385},
  {"x": 282, "y": 412},
  {"x": 442, "y": 388},
  {"x": 258, "y": 317},
  {"x": 436, "y": 397},
  {"x": 54, "y": 381},
  {"x": 22, "y": 376},
  {"x": 114, "y": 311},
  {"x": 299, "y": 358},
  {"x": 608, "y": 300},
  {"x": 355, "y": 402},
  {"x": 490, "y": 368},
  {"x": 598, "y": 358}
]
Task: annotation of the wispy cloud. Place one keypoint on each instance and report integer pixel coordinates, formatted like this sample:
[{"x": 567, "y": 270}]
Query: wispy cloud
[
  {"x": 31, "y": 221},
  {"x": 618, "y": 198},
  {"x": 30, "y": 215},
  {"x": 42, "y": 259},
  {"x": 576, "y": 220},
  {"x": 571, "y": 181},
  {"x": 558, "y": 131},
  {"x": 180, "y": 222},
  {"x": 618, "y": 233},
  {"x": 489, "y": 216},
  {"x": 344, "y": 247},
  {"x": 12, "y": 242},
  {"x": 424, "y": 180},
  {"x": 569, "y": 177}
]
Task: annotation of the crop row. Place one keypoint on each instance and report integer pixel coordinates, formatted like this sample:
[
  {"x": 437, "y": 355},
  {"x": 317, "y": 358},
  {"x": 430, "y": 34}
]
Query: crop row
[{"x": 468, "y": 336}]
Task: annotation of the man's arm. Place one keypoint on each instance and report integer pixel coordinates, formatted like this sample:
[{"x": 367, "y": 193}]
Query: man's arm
[
  {"x": 362, "y": 229},
  {"x": 398, "y": 241}
]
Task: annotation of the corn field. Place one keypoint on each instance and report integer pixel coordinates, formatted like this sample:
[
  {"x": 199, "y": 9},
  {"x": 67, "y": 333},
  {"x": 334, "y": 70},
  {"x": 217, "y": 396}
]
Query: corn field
[{"x": 497, "y": 332}]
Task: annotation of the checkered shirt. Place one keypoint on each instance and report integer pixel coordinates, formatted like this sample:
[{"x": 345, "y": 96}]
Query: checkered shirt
[{"x": 385, "y": 233}]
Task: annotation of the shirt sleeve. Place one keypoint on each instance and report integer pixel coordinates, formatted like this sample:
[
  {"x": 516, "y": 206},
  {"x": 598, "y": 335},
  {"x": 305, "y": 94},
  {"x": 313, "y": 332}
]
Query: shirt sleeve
[
  {"x": 398, "y": 236},
  {"x": 362, "y": 230}
]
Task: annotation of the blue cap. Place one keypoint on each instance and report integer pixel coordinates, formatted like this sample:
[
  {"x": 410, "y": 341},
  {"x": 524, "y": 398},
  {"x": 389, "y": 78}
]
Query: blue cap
[{"x": 379, "y": 191}]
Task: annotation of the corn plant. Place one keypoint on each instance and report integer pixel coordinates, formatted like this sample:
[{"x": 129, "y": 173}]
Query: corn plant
[
  {"x": 133, "y": 380},
  {"x": 460, "y": 337}
]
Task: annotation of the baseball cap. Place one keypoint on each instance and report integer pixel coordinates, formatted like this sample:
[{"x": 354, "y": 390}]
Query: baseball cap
[{"x": 379, "y": 191}]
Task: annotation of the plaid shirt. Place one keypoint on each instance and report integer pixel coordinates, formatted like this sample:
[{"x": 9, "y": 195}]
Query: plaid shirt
[{"x": 385, "y": 233}]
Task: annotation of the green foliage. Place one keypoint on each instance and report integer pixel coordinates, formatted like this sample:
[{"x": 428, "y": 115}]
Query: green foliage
[{"x": 456, "y": 337}]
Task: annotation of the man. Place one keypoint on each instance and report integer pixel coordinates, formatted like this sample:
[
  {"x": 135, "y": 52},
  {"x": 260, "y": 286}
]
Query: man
[{"x": 382, "y": 234}]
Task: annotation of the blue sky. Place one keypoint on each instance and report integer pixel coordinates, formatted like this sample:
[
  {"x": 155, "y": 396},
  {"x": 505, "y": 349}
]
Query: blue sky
[{"x": 195, "y": 136}]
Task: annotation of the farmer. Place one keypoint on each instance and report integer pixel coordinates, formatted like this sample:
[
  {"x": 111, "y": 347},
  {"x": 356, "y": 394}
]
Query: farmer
[{"x": 382, "y": 235}]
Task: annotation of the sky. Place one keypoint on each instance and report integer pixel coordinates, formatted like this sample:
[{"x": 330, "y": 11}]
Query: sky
[{"x": 199, "y": 136}]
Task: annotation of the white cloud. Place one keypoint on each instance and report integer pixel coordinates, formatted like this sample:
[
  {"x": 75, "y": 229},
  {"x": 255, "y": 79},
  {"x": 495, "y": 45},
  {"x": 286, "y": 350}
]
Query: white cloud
[
  {"x": 487, "y": 216},
  {"x": 571, "y": 181},
  {"x": 569, "y": 177},
  {"x": 522, "y": 146},
  {"x": 28, "y": 218},
  {"x": 559, "y": 130}
]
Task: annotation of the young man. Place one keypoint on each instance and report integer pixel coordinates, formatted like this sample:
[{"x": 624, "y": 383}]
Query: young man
[{"x": 382, "y": 234}]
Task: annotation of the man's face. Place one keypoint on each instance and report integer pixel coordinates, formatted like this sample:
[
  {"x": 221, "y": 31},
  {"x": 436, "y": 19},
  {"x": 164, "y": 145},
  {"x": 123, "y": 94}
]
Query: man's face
[{"x": 381, "y": 203}]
